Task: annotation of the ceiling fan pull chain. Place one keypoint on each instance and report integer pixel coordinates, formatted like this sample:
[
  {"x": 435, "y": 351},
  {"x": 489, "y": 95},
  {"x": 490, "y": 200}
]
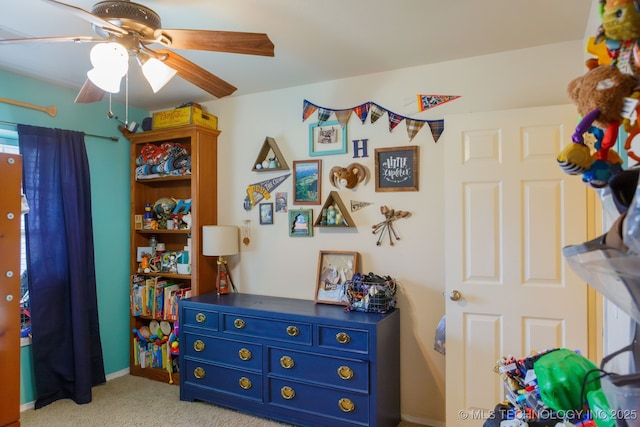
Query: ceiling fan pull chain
[{"x": 126, "y": 100}]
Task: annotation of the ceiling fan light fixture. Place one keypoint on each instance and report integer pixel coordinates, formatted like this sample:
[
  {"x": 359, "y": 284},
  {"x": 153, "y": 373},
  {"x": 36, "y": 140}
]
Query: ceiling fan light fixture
[
  {"x": 105, "y": 80},
  {"x": 110, "y": 57},
  {"x": 157, "y": 73}
]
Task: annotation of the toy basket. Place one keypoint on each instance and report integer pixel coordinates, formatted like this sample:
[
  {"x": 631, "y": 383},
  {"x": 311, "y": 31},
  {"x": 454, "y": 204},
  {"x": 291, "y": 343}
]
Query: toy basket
[{"x": 371, "y": 293}]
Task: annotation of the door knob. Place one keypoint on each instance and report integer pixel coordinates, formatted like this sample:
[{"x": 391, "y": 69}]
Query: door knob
[{"x": 455, "y": 295}]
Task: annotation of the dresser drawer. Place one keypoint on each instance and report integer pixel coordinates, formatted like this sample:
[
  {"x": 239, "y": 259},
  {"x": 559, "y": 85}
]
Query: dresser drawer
[
  {"x": 222, "y": 378},
  {"x": 243, "y": 355},
  {"x": 354, "y": 340},
  {"x": 324, "y": 402},
  {"x": 191, "y": 317},
  {"x": 271, "y": 329},
  {"x": 321, "y": 369}
]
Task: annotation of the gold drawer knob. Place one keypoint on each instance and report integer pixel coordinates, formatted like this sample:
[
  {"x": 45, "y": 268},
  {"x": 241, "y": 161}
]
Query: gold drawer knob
[
  {"x": 198, "y": 345},
  {"x": 346, "y": 405},
  {"x": 287, "y": 362},
  {"x": 201, "y": 317},
  {"x": 287, "y": 392},
  {"x": 345, "y": 372},
  {"x": 245, "y": 383},
  {"x": 239, "y": 323},
  {"x": 293, "y": 331},
  {"x": 198, "y": 372},
  {"x": 343, "y": 338},
  {"x": 244, "y": 354}
]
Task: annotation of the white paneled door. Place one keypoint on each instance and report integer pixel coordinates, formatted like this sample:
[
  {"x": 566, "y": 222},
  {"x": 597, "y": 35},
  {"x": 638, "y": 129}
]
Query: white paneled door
[{"x": 509, "y": 211}]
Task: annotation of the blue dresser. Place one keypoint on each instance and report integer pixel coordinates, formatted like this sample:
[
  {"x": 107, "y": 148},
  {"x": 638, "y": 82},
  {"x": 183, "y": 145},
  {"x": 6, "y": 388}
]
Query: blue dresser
[{"x": 291, "y": 360}]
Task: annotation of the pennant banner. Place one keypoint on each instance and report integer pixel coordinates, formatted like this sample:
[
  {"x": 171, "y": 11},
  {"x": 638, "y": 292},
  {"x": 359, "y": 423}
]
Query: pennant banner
[
  {"x": 307, "y": 110},
  {"x": 375, "y": 111},
  {"x": 394, "y": 120},
  {"x": 362, "y": 111},
  {"x": 343, "y": 116},
  {"x": 429, "y": 101}
]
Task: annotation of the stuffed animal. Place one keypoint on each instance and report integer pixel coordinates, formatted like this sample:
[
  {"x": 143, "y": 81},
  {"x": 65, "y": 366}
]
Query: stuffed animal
[
  {"x": 602, "y": 96},
  {"x": 620, "y": 30},
  {"x": 347, "y": 177}
]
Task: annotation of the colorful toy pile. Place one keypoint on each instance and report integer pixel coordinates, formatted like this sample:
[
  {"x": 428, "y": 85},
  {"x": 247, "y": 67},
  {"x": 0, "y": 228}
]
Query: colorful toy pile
[
  {"x": 550, "y": 387},
  {"x": 169, "y": 158}
]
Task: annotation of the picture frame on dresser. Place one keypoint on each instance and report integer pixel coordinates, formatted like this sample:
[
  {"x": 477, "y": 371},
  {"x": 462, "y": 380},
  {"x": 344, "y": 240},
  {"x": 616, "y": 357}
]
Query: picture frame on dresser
[{"x": 335, "y": 268}]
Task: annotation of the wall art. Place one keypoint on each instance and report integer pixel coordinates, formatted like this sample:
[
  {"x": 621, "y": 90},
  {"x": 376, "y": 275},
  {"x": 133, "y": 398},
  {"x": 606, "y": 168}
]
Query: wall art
[{"x": 397, "y": 168}]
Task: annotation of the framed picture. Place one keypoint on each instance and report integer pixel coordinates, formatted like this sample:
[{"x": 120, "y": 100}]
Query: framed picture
[
  {"x": 327, "y": 138},
  {"x": 306, "y": 182},
  {"x": 300, "y": 222},
  {"x": 397, "y": 168},
  {"x": 266, "y": 213},
  {"x": 334, "y": 269},
  {"x": 143, "y": 250},
  {"x": 281, "y": 202}
]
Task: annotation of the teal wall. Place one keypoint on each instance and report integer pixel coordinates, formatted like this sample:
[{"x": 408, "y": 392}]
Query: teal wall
[{"x": 109, "y": 165}]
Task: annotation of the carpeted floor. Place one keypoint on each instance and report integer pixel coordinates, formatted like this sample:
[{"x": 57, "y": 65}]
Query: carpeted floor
[{"x": 133, "y": 401}]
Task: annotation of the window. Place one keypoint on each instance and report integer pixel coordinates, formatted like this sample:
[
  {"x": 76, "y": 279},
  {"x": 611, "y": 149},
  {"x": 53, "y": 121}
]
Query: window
[{"x": 9, "y": 144}]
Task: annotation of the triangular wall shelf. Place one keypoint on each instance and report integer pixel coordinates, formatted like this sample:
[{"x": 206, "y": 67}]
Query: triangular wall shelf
[
  {"x": 333, "y": 200},
  {"x": 269, "y": 146}
]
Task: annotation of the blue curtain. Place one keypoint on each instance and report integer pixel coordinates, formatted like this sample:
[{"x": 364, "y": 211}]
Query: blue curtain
[{"x": 66, "y": 348}]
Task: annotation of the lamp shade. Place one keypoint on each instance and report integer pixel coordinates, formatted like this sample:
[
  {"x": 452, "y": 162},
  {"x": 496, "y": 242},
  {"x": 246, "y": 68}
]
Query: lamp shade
[
  {"x": 157, "y": 73},
  {"x": 220, "y": 240}
]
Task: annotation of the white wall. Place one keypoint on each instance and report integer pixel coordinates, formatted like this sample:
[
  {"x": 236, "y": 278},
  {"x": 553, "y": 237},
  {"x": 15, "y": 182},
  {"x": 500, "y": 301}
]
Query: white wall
[{"x": 276, "y": 264}]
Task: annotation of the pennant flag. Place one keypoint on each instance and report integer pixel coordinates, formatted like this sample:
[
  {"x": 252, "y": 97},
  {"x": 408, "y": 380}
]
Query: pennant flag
[
  {"x": 343, "y": 116},
  {"x": 413, "y": 127},
  {"x": 362, "y": 111},
  {"x": 429, "y": 101},
  {"x": 437, "y": 127},
  {"x": 376, "y": 112},
  {"x": 394, "y": 120},
  {"x": 262, "y": 190},
  {"x": 323, "y": 115},
  {"x": 356, "y": 206},
  {"x": 307, "y": 109}
]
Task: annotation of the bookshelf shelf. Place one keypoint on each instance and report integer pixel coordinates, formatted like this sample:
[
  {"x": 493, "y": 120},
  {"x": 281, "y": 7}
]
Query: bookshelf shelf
[{"x": 200, "y": 186}]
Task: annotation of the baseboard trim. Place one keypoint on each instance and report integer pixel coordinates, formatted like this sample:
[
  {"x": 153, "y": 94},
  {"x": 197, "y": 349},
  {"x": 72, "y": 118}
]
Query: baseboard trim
[
  {"x": 422, "y": 421},
  {"x": 30, "y": 405}
]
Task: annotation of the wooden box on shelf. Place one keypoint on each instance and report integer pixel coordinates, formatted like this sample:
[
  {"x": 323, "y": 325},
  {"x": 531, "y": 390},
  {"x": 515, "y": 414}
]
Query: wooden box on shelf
[{"x": 192, "y": 180}]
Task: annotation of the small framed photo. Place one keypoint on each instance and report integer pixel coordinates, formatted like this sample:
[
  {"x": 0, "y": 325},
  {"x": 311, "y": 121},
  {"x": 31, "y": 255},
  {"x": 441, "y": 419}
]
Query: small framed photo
[
  {"x": 334, "y": 269},
  {"x": 301, "y": 222},
  {"x": 266, "y": 213},
  {"x": 397, "y": 168},
  {"x": 281, "y": 202},
  {"x": 327, "y": 138},
  {"x": 141, "y": 250},
  {"x": 306, "y": 182}
]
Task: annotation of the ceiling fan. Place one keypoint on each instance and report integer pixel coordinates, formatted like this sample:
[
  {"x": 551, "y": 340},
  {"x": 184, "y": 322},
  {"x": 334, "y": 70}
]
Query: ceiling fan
[{"x": 127, "y": 29}]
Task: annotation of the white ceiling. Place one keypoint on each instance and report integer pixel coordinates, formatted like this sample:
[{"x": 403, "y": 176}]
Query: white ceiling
[{"x": 315, "y": 41}]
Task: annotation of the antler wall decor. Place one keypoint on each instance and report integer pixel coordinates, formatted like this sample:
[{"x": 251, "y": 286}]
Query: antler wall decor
[{"x": 390, "y": 215}]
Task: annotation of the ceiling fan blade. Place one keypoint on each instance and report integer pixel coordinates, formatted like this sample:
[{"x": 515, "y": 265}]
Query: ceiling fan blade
[
  {"x": 197, "y": 75},
  {"x": 220, "y": 41},
  {"x": 87, "y": 16},
  {"x": 66, "y": 39},
  {"x": 89, "y": 93}
]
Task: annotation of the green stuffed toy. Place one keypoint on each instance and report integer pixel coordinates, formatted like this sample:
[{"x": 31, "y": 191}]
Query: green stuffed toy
[{"x": 560, "y": 375}]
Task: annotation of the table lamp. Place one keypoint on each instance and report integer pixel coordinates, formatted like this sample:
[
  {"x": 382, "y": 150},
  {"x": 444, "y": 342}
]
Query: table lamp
[{"x": 221, "y": 241}]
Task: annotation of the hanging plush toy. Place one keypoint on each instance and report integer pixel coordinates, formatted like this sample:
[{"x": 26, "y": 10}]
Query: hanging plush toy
[
  {"x": 620, "y": 30},
  {"x": 602, "y": 96}
]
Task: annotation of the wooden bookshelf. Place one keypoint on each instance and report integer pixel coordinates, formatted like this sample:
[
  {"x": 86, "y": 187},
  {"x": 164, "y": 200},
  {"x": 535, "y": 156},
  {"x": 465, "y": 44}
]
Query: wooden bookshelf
[{"x": 200, "y": 187}]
